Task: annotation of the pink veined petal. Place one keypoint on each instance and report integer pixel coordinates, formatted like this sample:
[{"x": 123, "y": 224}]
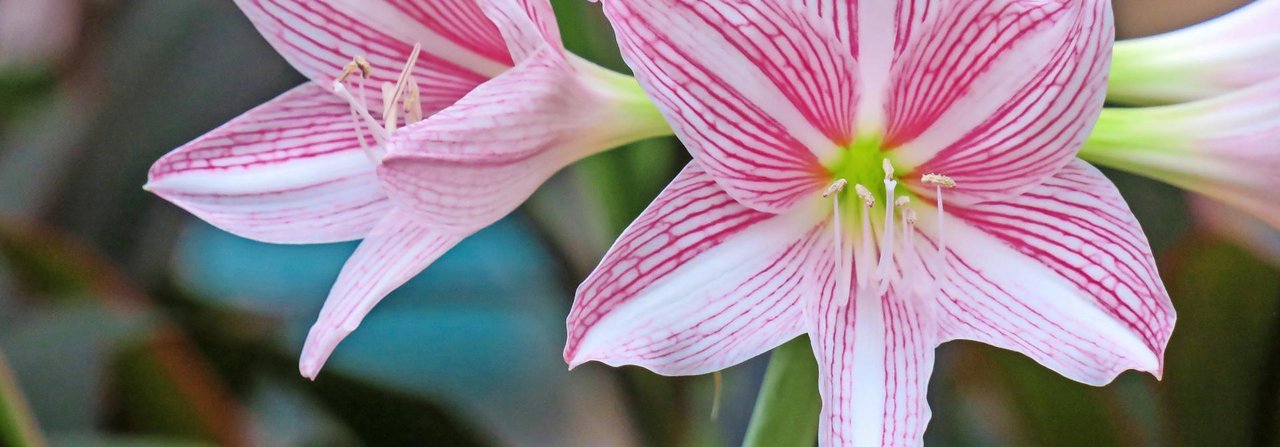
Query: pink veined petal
[
  {"x": 1062, "y": 274},
  {"x": 999, "y": 94},
  {"x": 475, "y": 162},
  {"x": 319, "y": 38},
  {"x": 698, "y": 283},
  {"x": 875, "y": 356},
  {"x": 761, "y": 92},
  {"x": 289, "y": 171},
  {"x": 393, "y": 253},
  {"x": 1216, "y": 57},
  {"x": 526, "y": 24},
  {"x": 1226, "y": 147}
]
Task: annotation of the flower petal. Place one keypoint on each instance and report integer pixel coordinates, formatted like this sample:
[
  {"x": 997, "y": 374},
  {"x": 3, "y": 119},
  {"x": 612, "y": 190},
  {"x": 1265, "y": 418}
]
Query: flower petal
[
  {"x": 1224, "y": 147},
  {"x": 761, "y": 92},
  {"x": 476, "y": 161},
  {"x": 393, "y": 253},
  {"x": 1063, "y": 274},
  {"x": 460, "y": 47},
  {"x": 1231, "y": 52},
  {"x": 289, "y": 171},
  {"x": 526, "y": 24},
  {"x": 697, "y": 284},
  {"x": 875, "y": 356},
  {"x": 999, "y": 94}
]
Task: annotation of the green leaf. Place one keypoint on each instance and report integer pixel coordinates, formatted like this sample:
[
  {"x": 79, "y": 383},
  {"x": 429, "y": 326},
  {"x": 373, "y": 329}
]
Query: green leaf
[
  {"x": 789, "y": 406},
  {"x": 17, "y": 425}
]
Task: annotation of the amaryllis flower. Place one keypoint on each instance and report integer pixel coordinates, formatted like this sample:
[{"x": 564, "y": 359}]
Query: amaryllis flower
[
  {"x": 1237, "y": 50},
  {"x": 507, "y": 107},
  {"x": 1226, "y": 148},
  {"x": 827, "y": 136}
]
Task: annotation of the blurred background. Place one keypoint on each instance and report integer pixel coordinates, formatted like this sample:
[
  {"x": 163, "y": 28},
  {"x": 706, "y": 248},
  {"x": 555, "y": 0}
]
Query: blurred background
[{"x": 125, "y": 321}]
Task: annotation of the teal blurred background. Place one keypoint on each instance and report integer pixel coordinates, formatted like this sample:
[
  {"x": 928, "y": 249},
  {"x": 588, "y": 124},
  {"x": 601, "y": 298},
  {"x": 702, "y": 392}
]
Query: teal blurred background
[{"x": 125, "y": 321}]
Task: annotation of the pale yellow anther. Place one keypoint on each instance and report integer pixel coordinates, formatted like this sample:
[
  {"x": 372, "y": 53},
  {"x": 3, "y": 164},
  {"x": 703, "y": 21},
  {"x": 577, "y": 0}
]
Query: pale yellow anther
[
  {"x": 403, "y": 80},
  {"x": 910, "y": 215},
  {"x": 413, "y": 104},
  {"x": 835, "y": 188},
  {"x": 865, "y": 195},
  {"x": 939, "y": 180},
  {"x": 888, "y": 169},
  {"x": 902, "y": 201},
  {"x": 358, "y": 64}
]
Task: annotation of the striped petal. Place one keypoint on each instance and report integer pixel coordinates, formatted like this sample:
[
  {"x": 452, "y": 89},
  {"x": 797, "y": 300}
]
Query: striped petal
[
  {"x": 1226, "y": 148},
  {"x": 875, "y": 356},
  {"x": 476, "y": 161},
  {"x": 1237, "y": 50},
  {"x": 1063, "y": 274},
  {"x": 999, "y": 94},
  {"x": 527, "y": 25},
  {"x": 461, "y": 48},
  {"x": 392, "y": 254},
  {"x": 697, "y": 284},
  {"x": 760, "y": 92},
  {"x": 289, "y": 171}
]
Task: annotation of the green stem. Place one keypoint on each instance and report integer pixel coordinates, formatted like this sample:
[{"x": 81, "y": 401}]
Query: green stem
[
  {"x": 788, "y": 408},
  {"x": 17, "y": 426}
]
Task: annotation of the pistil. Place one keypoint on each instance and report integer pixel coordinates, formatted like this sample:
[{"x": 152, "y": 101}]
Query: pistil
[
  {"x": 844, "y": 266},
  {"x": 886, "y": 242}
]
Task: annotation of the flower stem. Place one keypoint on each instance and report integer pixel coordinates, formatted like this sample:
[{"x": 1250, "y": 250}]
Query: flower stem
[{"x": 789, "y": 405}]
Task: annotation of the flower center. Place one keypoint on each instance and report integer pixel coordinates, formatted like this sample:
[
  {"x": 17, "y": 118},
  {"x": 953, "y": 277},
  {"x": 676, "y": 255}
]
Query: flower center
[
  {"x": 885, "y": 255},
  {"x": 404, "y": 95}
]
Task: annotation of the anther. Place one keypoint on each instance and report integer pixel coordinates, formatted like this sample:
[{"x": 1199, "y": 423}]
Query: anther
[
  {"x": 938, "y": 180},
  {"x": 902, "y": 202},
  {"x": 835, "y": 188},
  {"x": 357, "y": 64},
  {"x": 865, "y": 195},
  {"x": 888, "y": 169},
  {"x": 910, "y": 216},
  {"x": 403, "y": 80}
]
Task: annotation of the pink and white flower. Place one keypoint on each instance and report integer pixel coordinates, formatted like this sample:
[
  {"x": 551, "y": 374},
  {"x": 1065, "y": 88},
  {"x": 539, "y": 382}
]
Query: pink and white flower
[
  {"x": 827, "y": 135},
  {"x": 1228, "y": 53},
  {"x": 506, "y": 107},
  {"x": 1226, "y": 148}
]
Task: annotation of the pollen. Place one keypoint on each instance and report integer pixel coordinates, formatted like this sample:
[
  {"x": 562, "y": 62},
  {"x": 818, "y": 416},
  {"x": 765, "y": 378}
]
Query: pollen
[
  {"x": 888, "y": 169},
  {"x": 939, "y": 180},
  {"x": 835, "y": 188},
  {"x": 358, "y": 64},
  {"x": 866, "y": 196},
  {"x": 902, "y": 201}
]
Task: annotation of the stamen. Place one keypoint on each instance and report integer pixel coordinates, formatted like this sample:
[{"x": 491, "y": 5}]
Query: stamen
[
  {"x": 403, "y": 80},
  {"x": 835, "y": 188},
  {"x": 844, "y": 266},
  {"x": 357, "y": 64},
  {"x": 939, "y": 182},
  {"x": 358, "y": 109},
  {"x": 391, "y": 115},
  {"x": 865, "y": 195},
  {"x": 908, "y": 241},
  {"x": 413, "y": 105}
]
